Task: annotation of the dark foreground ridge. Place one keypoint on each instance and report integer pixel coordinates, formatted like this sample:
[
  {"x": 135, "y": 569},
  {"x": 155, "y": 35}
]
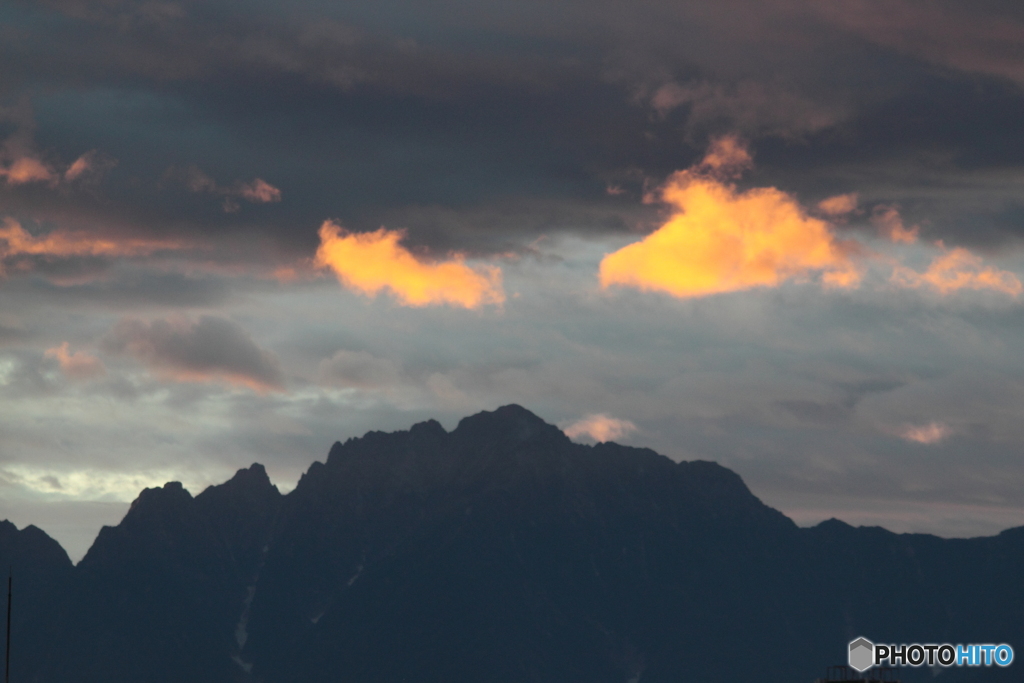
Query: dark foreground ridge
[{"x": 502, "y": 552}]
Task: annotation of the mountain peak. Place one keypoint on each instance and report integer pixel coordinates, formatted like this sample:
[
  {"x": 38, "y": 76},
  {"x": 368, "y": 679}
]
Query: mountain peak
[
  {"x": 170, "y": 493},
  {"x": 427, "y": 428},
  {"x": 250, "y": 487},
  {"x": 7, "y": 527},
  {"x": 512, "y": 423},
  {"x": 252, "y": 478}
]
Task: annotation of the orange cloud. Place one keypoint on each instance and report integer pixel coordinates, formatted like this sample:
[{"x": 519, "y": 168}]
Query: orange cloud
[
  {"x": 600, "y": 427},
  {"x": 260, "y": 191},
  {"x": 90, "y": 166},
  {"x": 371, "y": 262},
  {"x": 840, "y": 205},
  {"x": 15, "y": 241},
  {"x": 27, "y": 170},
  {"x": 77, "y": 365},
  {"x": 81, "y": 166},
  {"x": 727, "y": 157},
  {"x": 957, "y": 269},
  {"x": 890, "y": 224},
  {"x": 933, "y": 432},
  {"x": 722, "y": 240}
]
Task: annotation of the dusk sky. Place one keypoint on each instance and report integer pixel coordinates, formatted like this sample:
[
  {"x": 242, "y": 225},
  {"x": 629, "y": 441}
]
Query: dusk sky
[{"x": 784, "y": 235}]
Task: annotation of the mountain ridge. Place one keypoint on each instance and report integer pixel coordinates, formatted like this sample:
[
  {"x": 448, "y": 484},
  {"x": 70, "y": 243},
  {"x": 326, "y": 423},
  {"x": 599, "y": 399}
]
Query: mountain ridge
[{"x": 502, "y": 551}]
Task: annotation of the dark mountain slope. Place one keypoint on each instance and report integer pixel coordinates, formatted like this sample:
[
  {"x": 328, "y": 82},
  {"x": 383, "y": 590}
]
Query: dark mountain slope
[
  {"x": 41, "y": 571},
  {"x": 159, "y": 597},
  {"x": 919, "y": 588},
  {"x": 502, "y": 551}
]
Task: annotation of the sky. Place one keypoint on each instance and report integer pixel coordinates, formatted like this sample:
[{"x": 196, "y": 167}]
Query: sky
[{"x": 783, "y": 235}]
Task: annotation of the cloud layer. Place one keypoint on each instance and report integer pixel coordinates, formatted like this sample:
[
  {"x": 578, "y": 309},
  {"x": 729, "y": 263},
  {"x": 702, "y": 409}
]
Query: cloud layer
[
  {"x": 210, "y": 349},
  {"x": 957, "y": 269},
  {"x": 16, "y": 242},
  {"x": 77, "y": 365}
]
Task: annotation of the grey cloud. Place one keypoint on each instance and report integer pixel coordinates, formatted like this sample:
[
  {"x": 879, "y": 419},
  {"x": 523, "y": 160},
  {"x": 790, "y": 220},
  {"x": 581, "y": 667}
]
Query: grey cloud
[
  {"x": 844, "y": 406},
  {"x": 700, "y": 379},
  {"x": 359, "y": 369},
  {"x": 815, "y": 412},
  {"x": 24, "y": 375},
  {"x": 75, "y": 282},
  {"x": 10, "y": 334},
  {"x": 747, "y": 107},
  {"x": 210, "y": 348}
]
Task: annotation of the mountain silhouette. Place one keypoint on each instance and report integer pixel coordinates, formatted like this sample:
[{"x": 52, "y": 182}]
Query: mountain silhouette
[{"x": 500, "y": 551}]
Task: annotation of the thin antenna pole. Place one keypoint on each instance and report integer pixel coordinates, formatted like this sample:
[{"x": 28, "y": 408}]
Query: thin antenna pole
[{"x": 7, "y": 664}]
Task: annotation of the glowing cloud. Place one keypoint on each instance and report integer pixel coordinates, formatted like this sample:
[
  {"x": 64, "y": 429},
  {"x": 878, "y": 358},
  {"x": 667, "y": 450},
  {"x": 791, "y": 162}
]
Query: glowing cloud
[
  {"x": 722, "y": 240},
  {"x": 259, "y": 191},
  {"x": 890, "y": 224},
  {"x": 957, "y": 269},
  {"x": 928, "y": 434},
  {"x": 840, "y": 205},
  {"x": 727, "y": 157},
  {"x": 77, "y": 365},
  {"x": 89, "y": 167},
  {"x": 27, "y": 170},
  {"x": 80, "y": 167},
  {"x": 599, "y": 427},
  {"x": 371, "y": 262},
  {"x": 16, "y": 241}
]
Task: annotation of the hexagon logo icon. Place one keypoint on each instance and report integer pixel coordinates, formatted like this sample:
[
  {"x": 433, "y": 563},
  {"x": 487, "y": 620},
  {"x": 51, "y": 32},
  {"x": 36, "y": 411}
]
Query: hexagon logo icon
[{"x": 862, "y": 654}]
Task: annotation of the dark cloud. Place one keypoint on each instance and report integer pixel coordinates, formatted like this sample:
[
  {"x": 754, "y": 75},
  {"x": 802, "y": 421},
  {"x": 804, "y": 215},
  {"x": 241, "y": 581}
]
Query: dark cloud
[
  {"x": 210, "y": 349},
  {"x": 492, "y": 114},
  {"x": 987, "y": 38}
]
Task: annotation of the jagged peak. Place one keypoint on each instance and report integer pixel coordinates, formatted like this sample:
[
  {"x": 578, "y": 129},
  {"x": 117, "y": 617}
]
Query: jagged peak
[
  {"x": 255, "y": 476},
  {"x": 428, "y": 427},
  {"x": 420, "y": 433},
  {"x": 172, "y": 491},
  {"x": 512, "y": 421},
  {"x": 248, "y": 481},
  {"x": 335, "y": 452}
]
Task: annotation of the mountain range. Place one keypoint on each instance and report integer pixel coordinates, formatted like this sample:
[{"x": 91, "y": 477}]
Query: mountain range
[{"x": 500, "y": 551}]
